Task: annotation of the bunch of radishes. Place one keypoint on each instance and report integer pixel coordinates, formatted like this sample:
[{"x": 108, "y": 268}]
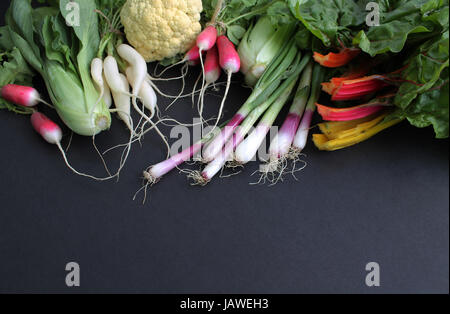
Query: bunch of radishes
[
  {"x": 221, "y": 54},
  {"x": 109, "y": 80}
]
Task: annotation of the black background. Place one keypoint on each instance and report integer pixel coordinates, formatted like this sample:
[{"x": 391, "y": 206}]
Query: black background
[{"x": 385, "y": 201}]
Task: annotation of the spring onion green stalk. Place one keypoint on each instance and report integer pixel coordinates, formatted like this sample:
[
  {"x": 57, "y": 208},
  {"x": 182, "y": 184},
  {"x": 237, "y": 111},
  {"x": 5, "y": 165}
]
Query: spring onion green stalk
[
  {"x": 249, "y": 147},
  {"x": 278, "y": 96},
  {"x": 302, "y": 134},
  {"x": 281, "y": 144},
  {"x": 267, "y": 84},
  {"x": 260, "y": 45}
]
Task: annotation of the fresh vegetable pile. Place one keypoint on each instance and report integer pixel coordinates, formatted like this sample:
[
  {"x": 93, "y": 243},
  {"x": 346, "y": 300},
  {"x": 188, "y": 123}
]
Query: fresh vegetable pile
[{"x": 364, "y": 66}]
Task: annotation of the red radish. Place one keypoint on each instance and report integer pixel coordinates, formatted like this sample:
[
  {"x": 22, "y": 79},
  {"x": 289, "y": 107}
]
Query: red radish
[
  {"x": 48, "y": 129},
  {"x": 212, "y": 68},
  {"x": 192, "y": 56},
  {"x": 207, "y": 39},
  {"x": 231, "y": 63},
  {"x": 229, "y": 58},
  {"x": 52, "y": 133},
  {"x": 212, "y": 74},
  {"x": 20, "y": 95}
]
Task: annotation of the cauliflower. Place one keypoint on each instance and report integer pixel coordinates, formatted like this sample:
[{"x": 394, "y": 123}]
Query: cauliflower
[{"x": 160, "y": 29}]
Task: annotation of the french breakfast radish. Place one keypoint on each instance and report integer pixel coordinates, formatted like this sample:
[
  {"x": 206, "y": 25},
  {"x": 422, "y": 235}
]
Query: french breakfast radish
[
  {"x": 48, "y": 129},
  {"x": 20, "y": 95},
  {"x": 230, "y": 62},
  {"x": 52, "y": 133},
  {"x": 229, "y": 58},
  {"x": 192, "y": 57},
  {"x": 212, "y": 74},
  {"x": 207, "y": 39},
  {"x": 212, "y": 68}
]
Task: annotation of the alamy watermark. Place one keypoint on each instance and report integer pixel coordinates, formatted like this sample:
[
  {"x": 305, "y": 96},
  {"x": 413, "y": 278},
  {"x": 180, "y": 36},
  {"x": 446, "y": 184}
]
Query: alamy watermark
[
  {"x": 373, "y": 278},
  {"x": 73, "y": 275},
  {"x": 73, "y": 15},
  {"x": 373, "y": 18}
]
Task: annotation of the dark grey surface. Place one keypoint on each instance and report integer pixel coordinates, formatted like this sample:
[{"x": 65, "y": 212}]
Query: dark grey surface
[{"x": 385, "y": 201}]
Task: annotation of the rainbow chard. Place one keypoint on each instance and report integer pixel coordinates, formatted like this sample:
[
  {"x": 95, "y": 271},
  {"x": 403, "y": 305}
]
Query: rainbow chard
[
  {"x": 336, "y": 60},
  {"x": 357, "y": 88},
  {"x": 352, "y": 113}
]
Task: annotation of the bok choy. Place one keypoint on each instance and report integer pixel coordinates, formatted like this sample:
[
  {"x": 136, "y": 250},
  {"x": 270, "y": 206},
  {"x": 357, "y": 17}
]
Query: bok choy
[{"x": 61, "y": 54}]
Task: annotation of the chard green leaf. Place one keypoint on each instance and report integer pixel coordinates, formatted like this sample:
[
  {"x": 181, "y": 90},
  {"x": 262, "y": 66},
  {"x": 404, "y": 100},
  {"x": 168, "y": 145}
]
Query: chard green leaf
[
  {"x": 423, "y": 97},
  {"x": 430, "y": 109},
  {"x": 399, "y": 20},
  {"x": 328, "y": 20}
]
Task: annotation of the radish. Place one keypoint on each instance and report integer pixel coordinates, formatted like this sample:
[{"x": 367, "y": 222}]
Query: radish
[
  {"x": 112, "y": 75},
  {"x": 97, "y": 73},
  {"x": 21, "y": 95},
  {"x": 107, "y": 97},
  {"x": 212, "y": 74},
  {"x": 212, "y": 68},
  {"x": 192, "y": 57},
  {"x": 207, "y": 39},
  {"x": 49, "y": 130},
  {"x": 230, "y": 62},
  {"x": 52, "y": 134},
  {"x": 229, "y": 58},
  {"x": 147, "y": 93},
  {"x": 98, "y": 78},
  {"x": 139, "y": 67},
  {"x": 122, "y": 102}
]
